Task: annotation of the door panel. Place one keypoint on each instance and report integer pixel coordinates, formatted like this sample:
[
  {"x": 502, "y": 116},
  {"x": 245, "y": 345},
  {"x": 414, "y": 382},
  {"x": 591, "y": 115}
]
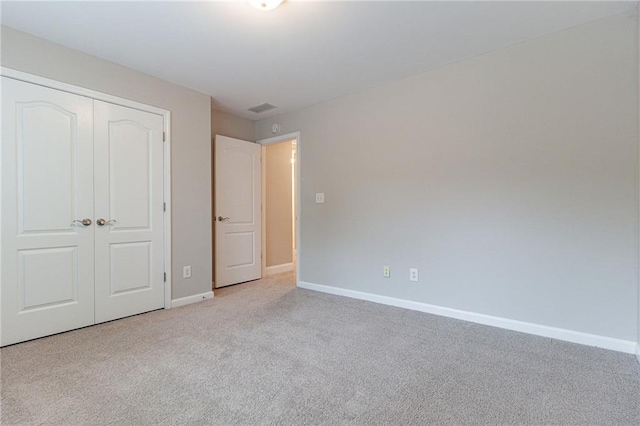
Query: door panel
[
  {"x": 47, "y": 277},
  {"x": 130, "y": 267},
  {"x": 45, "y": 191},
  {"x": 129, "y": 174},
  {"x": 129, "y": 251},
  {"x": 239, "y": 182},
  {"x": 47, "y": 183},
  {"x": 238, "y": 197}
]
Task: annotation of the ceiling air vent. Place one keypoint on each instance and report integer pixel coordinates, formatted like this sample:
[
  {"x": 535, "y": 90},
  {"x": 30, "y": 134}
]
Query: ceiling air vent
[{"x": 262, "y": 108}]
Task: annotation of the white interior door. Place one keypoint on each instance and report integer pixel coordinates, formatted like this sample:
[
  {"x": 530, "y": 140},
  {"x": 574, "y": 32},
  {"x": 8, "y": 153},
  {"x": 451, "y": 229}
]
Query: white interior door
[
  {"x": 47, "y": 186},
  {"x": 238, "y": 221},
  {"x": 129, "y": 252}
]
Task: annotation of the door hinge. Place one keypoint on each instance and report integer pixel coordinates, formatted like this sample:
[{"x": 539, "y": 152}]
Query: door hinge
[
  {"x": 164, "y": 136},
  {"x": 164, "y": 207},
  {"x": 165, "y": 277}
]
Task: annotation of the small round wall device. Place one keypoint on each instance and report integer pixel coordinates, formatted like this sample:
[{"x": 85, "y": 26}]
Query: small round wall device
[{"x": 275, "y": 128}]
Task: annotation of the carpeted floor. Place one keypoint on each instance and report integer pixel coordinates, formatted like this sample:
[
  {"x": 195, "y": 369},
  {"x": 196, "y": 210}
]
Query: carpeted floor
[{"x": 268, "y": 353}]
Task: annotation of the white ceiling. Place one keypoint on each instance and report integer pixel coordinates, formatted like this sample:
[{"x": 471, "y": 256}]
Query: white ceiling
[{"x": 299, "y": 54}]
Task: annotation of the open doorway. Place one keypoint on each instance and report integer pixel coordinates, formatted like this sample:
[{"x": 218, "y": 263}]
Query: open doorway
[
  {"x": 256, "y": 227},
  {"x": 279, "y": 206}
]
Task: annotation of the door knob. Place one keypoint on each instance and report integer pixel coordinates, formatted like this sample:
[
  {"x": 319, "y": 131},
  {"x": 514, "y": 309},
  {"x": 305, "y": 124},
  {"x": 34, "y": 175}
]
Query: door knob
[
  {"x": 85, "y": 222},
  {"x": 222, "y": 219},
  {"x": 103, "y": 222}
]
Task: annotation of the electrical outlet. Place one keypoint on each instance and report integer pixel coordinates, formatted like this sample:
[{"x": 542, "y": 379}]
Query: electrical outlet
[
  {"x": 386, "y": 271},
  {"x": 413, "y": 274},
  {"x": 186, "y": 272},
  {"x": 319, "y": 197}
]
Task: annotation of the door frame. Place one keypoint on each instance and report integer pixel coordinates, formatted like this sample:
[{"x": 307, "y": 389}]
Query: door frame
[
  {"x": 81, "y": 91},
  {"x": 270, "y": 141}
]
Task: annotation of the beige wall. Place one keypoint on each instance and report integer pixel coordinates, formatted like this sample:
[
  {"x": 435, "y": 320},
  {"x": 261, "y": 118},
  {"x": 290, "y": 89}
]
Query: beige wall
[
  {"x": 638, "y": 52},
  {"x": 509, "y": 180},
  {"x": 278, "y": 232},
  {"x": 226, "y": 124},
  {"x": 190, "y": 139}
]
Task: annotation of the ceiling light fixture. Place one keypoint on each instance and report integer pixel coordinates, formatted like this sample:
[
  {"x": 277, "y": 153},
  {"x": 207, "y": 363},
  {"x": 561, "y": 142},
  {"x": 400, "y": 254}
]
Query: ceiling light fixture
[{"x": 265, "y": 4}]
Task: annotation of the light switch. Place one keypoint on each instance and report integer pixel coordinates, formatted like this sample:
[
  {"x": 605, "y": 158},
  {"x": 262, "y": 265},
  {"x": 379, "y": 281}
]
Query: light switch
[{"x": 319, "y": 197}]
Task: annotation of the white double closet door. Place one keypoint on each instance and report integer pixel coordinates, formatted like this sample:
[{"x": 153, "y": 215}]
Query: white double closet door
[{"x": 82, "y": 211}]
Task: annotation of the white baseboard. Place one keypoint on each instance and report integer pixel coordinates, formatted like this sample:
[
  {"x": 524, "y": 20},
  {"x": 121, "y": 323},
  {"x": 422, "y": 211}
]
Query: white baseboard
[
  {"x": 191, "y": 299},
  {"x": 619, "y": 345},
  {"x": 278, "y": 269}
]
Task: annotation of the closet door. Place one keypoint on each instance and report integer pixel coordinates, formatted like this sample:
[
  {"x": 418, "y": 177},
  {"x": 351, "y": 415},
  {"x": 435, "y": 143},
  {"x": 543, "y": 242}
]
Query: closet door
[
  {"x": 47, "y": 191},
  {"x": 129, "y": 248}
]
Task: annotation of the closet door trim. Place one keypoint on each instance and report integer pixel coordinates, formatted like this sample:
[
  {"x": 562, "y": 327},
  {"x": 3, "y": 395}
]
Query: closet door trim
[{"x": 53, "y": 84}]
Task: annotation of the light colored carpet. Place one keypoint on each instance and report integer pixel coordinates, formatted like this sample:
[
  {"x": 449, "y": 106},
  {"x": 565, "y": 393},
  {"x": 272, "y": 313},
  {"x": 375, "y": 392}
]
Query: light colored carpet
[{"x": 268, "y": 353}]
